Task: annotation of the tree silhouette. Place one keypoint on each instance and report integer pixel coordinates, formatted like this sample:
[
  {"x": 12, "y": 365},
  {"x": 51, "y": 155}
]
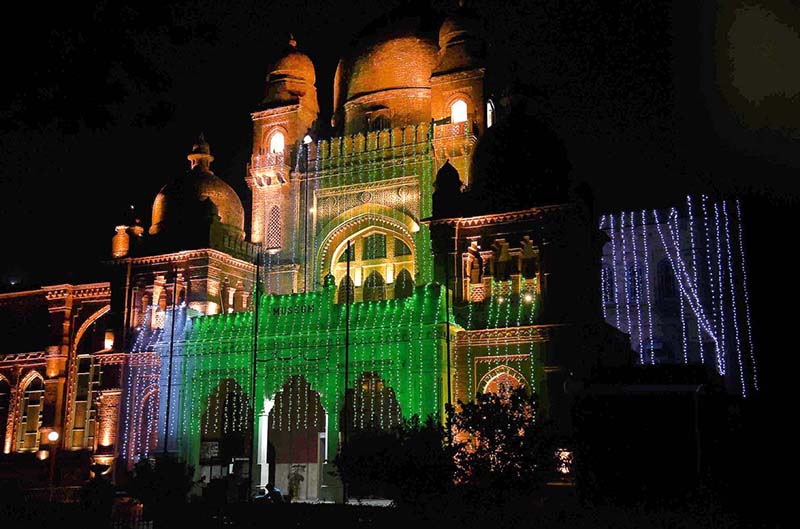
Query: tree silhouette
[{"x": 500, "y": 443}]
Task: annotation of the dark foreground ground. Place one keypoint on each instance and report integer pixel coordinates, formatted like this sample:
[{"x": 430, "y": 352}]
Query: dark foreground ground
[{"x": 561, "y": 509}]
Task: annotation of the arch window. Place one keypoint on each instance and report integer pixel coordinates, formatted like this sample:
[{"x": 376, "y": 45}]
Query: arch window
[
  {"x": 403, "y": 285},
  {"x": 346, "y": 290},
  {"x": 377, "y": 256},
  {"x": 379, "y": 122},
  {"x": 274, "y": 229},
  {"x": 277, "y": 143},
  {"x": 458, "y": 111},
  {"x": 374, "y": 287},
  {"x": 490, "y": 115},
  {"x": 5, "y": 400},
  {"x": 401, "y": 248},
  {"x": 374, "y": 246},
  {"x": 31, "y": 416}
]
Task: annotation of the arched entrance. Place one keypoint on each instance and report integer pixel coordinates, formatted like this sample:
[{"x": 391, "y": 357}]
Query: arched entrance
[
  {"x": 225, "y": 433},
  {"x": 297, "y": 431}
]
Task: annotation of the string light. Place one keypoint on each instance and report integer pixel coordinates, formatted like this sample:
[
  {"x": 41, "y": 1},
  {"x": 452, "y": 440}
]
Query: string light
[
  {"x": 617, "y": 323},
  {"x": 746, "y": 294},
  {"x": 733, "y": 299},
  {"x": 711, "y": 275},
  {"x": 721, "y": 273},
  {"x": 695, "y": 272},
  {"x": 676, "y": 238},
  {"x": 637, "y": 287},
  {"x": 627, "y": 326},
  {"x": 647, "y": 288}
]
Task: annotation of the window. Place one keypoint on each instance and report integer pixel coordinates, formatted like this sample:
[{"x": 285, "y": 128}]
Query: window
[
  {"x": 403, "y": 285},
  {"x": 347, "y": 290},
  {"x": 379, "y": 122},
  {"x": 31, "y": 416},
  {"x": 458, "y": 111},
  {"x": 374, "y": 287},
  {"x": 276, "y": 143},
  {"x": 274, "y": 229},
  {"x": 5, "y": 400},
  {"x": 401, "y": 248},
  {"x": 374, "y": 246},
  {"x": 665, "y": 280},
  {"x": 352, "y": 252},
  {"x": 490, "y": 117}
]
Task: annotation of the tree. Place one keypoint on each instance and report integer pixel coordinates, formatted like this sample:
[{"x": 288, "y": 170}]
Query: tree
[
  {"x": 162, "y": 485},
  {"x": 501, "y": 444},
  {"x": 406, "y": 463}
]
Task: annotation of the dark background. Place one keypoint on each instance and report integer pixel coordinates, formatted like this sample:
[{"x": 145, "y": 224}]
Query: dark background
[{"x": 654, "y": 100}]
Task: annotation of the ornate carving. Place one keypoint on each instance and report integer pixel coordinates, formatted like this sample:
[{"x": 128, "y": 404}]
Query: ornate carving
[{"x": 504, "y": 336}]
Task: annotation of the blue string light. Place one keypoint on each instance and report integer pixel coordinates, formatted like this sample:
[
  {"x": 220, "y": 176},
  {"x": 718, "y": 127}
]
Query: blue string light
[
  {"x": 637, "y": 287},
  {"x": 647, "y": 288},
  {"x": 733, "y": 299},
  {"x": 746, "y": 295}
]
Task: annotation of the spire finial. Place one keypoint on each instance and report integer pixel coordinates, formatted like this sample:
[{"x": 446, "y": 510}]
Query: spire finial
[
  {"x": 201, "y": 153},
  {"x": 292, "y": 42}
]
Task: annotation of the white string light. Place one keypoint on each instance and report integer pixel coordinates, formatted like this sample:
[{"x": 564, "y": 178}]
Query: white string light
[{"x": 746, "y": 294}]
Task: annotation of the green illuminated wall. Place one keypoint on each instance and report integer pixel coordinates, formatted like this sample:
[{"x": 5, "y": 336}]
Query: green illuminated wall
[{"x": 303, "y": 334}]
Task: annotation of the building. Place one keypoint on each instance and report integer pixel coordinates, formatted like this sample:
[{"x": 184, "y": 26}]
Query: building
[
  {"x": 405, "y": 262},
  {"x": 675, "y": 281}
]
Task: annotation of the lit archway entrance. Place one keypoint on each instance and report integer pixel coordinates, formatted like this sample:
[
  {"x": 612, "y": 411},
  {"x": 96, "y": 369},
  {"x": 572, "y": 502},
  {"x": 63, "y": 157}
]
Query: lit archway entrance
[
  {"x": 297, "y": 430},
  {"x": 225, "y": 433}
]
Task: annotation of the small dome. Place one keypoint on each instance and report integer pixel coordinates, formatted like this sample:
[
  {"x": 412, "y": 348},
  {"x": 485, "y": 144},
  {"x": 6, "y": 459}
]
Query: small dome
[
  {"x": 460, "y": 44},
  {"x": 519, "y": 163},
  {"x": 458, "y": 26},
  {"x": 293, "y": 64},
  {"x": 192, "y": 201},
  {"x": 291, "y": 79}
]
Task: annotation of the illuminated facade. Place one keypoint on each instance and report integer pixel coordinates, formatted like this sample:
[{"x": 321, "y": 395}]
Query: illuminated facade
[
  {"x": 466, "y": 272},
  {"x": 676, "y": 281}
]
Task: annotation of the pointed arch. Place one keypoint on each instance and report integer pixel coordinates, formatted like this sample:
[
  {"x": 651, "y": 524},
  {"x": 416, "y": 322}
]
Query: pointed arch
[
  {"x": 5, "y": 408},
  {"x": 356, "y": 221},
  {"x": 30, "y": 412},
  {"x": 403, "y": 285},
  {"x": 374, "y": 287},
  {"x": 371, "y": 404},
  {"x": 346, "y": 285}
]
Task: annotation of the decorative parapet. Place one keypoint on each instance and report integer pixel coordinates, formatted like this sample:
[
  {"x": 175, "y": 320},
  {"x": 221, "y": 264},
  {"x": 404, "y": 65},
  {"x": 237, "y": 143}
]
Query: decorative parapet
[
  {"x": 504, "y": 336},
  {"x": 35, "y": 357},
  {"x": 88, "y": 291}
]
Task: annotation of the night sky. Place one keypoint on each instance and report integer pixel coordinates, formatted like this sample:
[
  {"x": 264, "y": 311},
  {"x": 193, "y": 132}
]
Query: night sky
[{"x": 654, "y": 100}]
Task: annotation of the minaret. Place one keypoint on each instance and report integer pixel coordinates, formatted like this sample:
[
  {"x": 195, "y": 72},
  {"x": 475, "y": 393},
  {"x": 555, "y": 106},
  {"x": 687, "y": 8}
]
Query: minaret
[
  {"x": 458, "y": 104},
  {"x": 288, "y": 113}
]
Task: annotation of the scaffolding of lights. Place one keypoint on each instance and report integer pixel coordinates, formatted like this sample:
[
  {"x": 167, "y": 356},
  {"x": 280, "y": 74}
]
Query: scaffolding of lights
[{"x": 712, "y": 298}]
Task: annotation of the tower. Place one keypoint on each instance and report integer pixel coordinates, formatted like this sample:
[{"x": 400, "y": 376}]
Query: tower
[
  {"x": 281, "y": 127},
  {"x": 458, "y": 105}
]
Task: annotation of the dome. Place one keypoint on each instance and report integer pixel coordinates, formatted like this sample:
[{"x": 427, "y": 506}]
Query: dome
[
  {"x": 192, "y": 201},
  {"x": 459, "y": 42},
  {"x": 519, "y": 163},
  {"x": 293, "y": 64},
  {"x": 291, "y": 79},
  {"x": 388, "y": 70}
]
